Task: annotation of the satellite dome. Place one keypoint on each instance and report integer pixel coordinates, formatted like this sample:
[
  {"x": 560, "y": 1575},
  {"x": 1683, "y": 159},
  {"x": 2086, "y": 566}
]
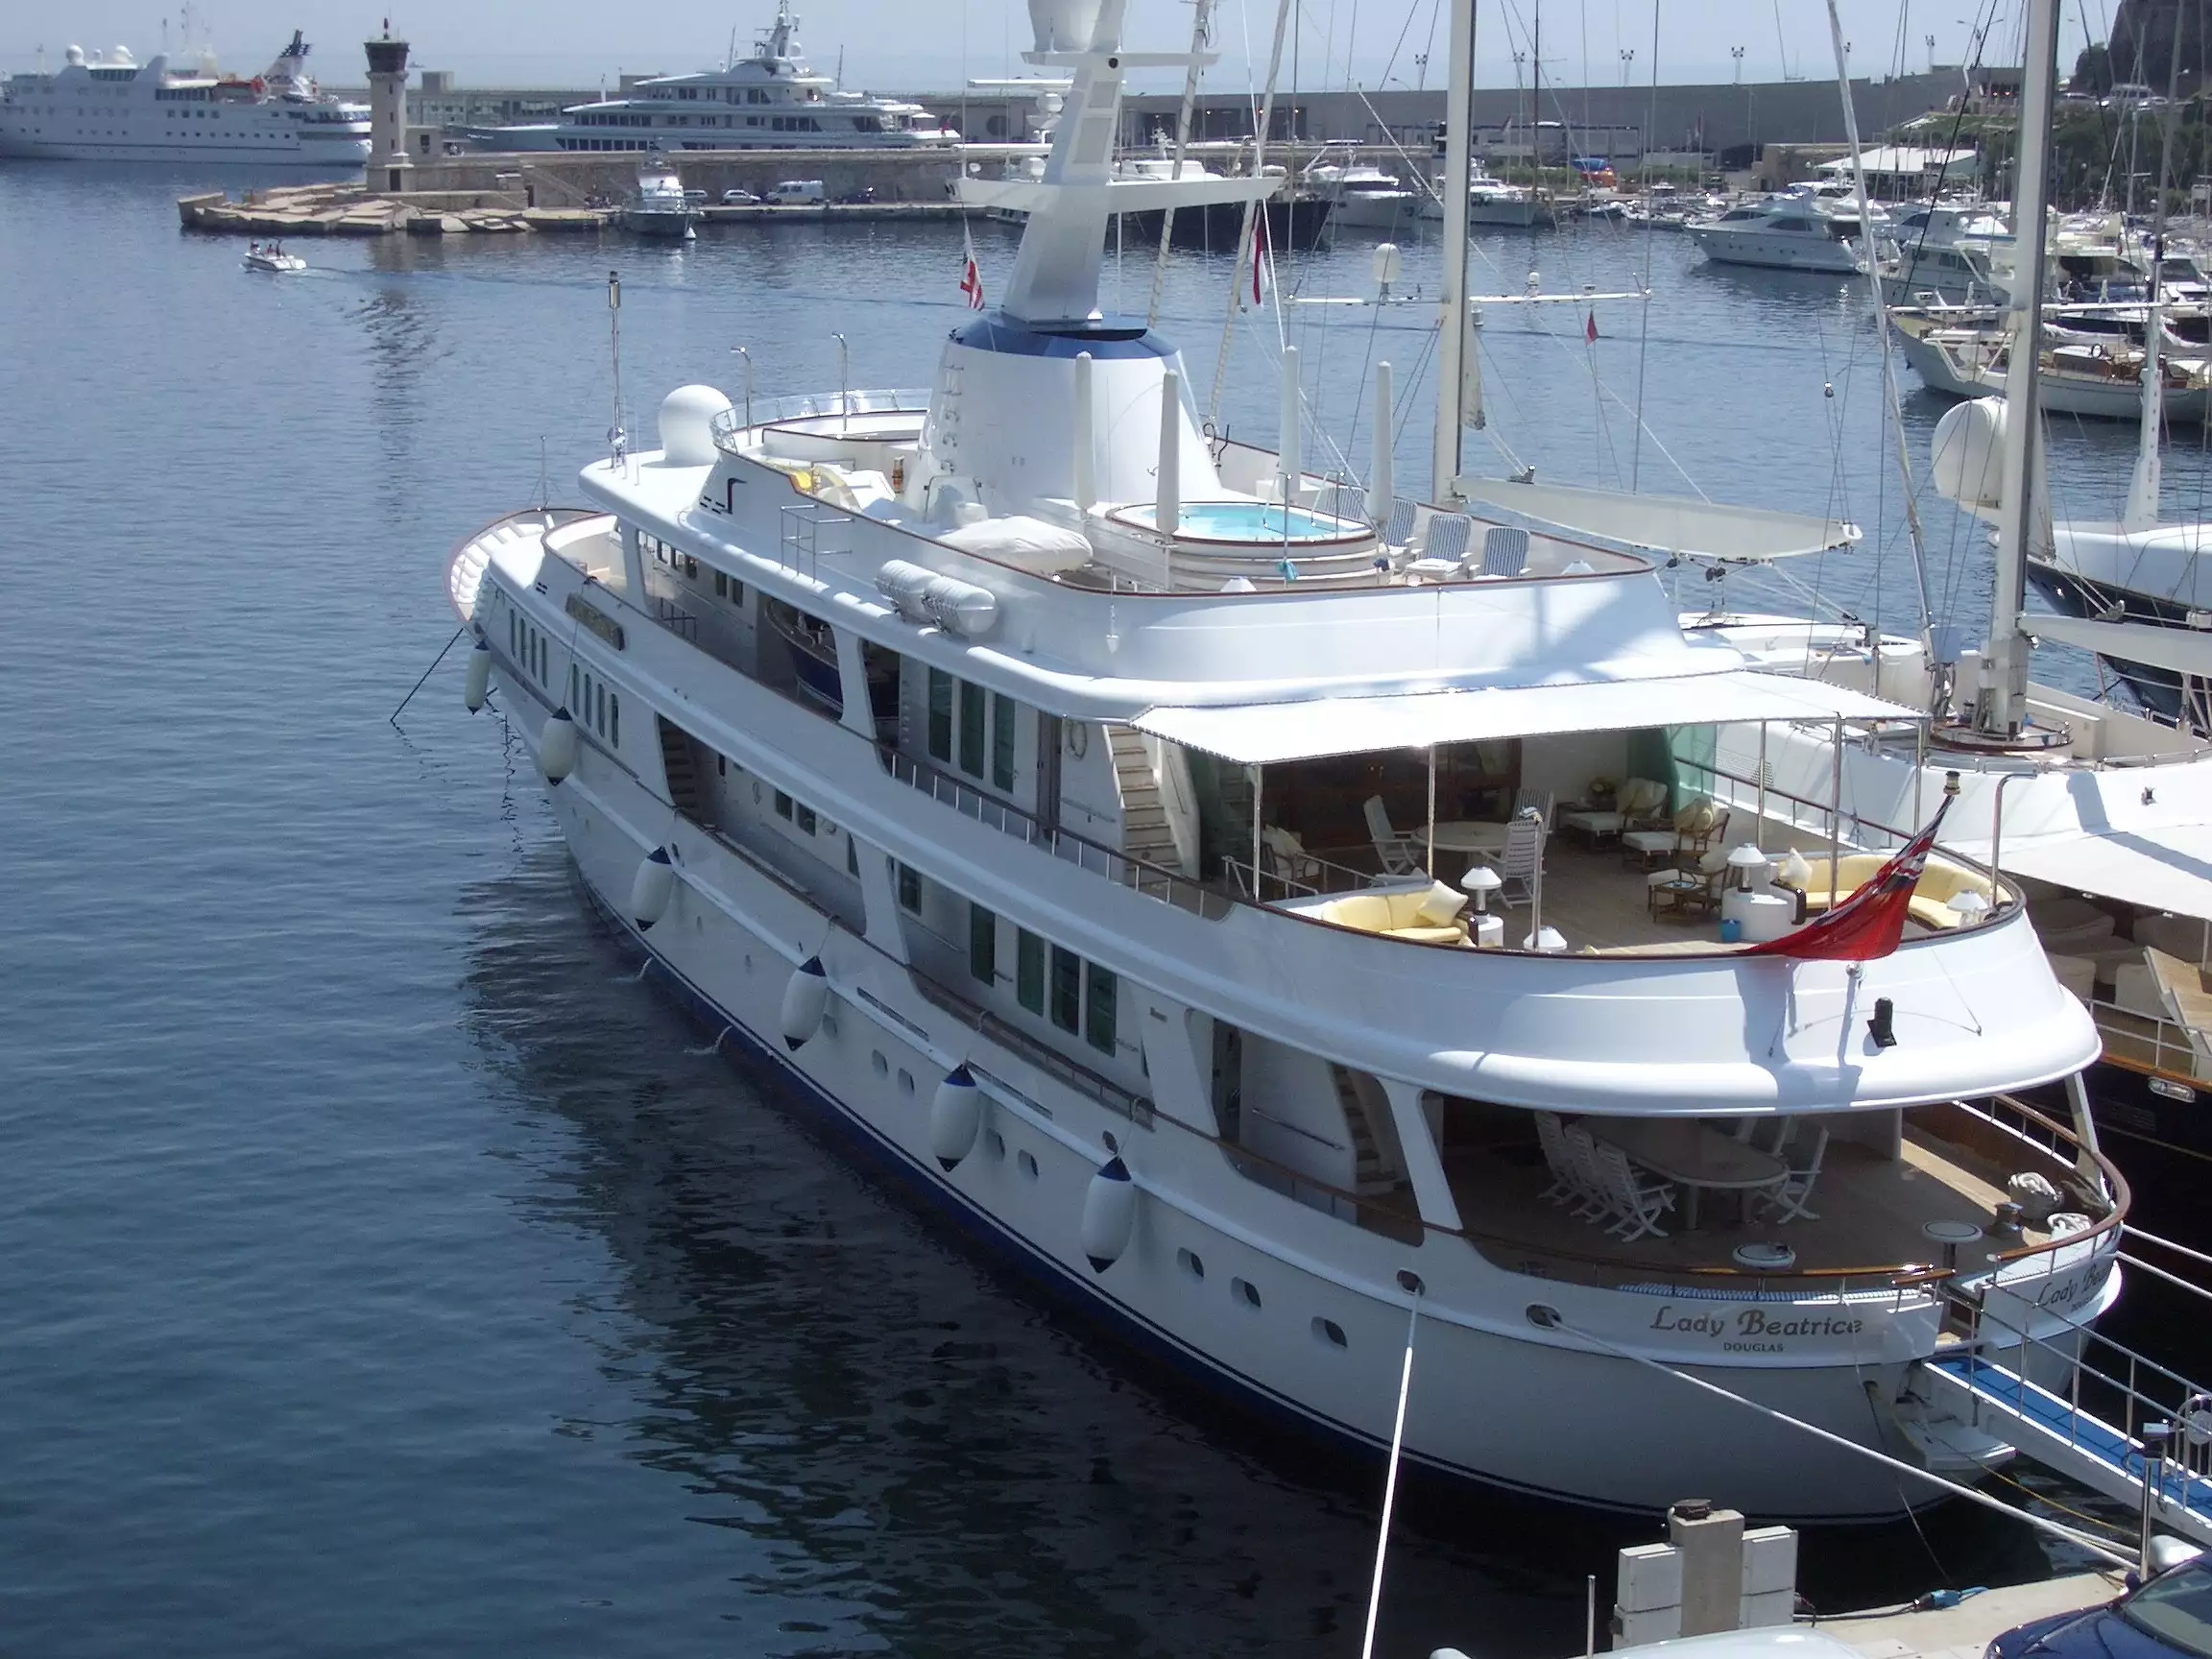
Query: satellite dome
[{"x": 687, "y": 425}]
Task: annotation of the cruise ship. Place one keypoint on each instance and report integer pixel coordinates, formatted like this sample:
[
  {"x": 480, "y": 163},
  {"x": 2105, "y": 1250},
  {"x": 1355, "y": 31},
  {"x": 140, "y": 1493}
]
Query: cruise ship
[
  {"x": 1156, "y": 857},
  {"x": 770, "y": 101},
  {"x": 111, "y": 108}
]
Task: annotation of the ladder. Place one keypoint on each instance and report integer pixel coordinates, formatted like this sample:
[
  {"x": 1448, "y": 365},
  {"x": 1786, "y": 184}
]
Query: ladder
[{"x": 1370, "y": 1176}]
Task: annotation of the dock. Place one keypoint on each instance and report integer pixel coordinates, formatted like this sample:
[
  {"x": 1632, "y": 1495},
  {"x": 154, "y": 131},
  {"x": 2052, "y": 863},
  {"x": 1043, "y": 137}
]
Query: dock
[{"x": 1962, "y": 1631}]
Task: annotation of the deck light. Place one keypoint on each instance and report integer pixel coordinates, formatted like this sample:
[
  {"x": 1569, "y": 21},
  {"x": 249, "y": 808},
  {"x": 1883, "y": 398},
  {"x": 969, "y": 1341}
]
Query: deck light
[{"x": 1881, "y": 1028}]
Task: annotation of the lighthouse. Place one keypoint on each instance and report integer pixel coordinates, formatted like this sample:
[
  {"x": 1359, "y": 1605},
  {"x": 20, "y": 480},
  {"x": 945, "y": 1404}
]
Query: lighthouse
[{"x": 388, "y": 166}]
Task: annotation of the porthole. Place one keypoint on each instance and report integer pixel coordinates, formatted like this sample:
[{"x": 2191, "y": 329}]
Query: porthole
[
  {"x": 881, "y": 1065},
  {"x": 1028, "y": 1164},
  {"x": 1188, "y": 1261},
  {"x": 994, "y": 1143},
  {"x": 1245, "y": 1292},
  {"x": 905, "y": 1081},
  {"x": 1329, "y": 1333}
]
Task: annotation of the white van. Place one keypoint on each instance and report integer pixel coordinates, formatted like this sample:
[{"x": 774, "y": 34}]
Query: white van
[{"x": 794, "y": 191}]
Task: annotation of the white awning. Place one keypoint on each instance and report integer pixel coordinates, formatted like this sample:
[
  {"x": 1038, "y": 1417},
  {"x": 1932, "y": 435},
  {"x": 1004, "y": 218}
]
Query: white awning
[
  {"x": 2171, "y": 871},
  {"x": 1266, "y": 732},
  {"x": 1667, "y": 523}
]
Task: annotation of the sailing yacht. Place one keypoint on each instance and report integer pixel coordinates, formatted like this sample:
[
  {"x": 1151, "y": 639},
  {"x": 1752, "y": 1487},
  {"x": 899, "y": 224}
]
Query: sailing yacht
[{"x": 1142, "y": 845}]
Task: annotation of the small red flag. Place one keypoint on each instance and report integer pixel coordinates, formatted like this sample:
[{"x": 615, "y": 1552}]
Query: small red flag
[
  {"x": 1871, "y": 922},
  {"x": 970, "y": 279},
  {"x": 1590, "y": 330}
]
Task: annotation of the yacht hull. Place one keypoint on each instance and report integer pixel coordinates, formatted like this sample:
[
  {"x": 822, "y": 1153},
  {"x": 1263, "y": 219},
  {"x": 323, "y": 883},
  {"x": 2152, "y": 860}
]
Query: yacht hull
[
  {"x": 273, "y": 150},
  {"x": 2075, "y": 595},
  {"x": 1765, "y": 253},
  {"x": 1593, "y": 1429}
]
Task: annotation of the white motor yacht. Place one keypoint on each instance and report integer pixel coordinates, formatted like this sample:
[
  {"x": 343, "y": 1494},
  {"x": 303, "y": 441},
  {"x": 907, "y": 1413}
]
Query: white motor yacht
[
  {"x": 1361, "y": 195},
  {"x": 662, "y": 206},
  {"x": 1076, "y": 811},
  {"x": 773, "y": 100},
  {"x": 2101, "y": 378},
  {"x": 111, "y": 108},
  {"x": 1779, "y": 233}
]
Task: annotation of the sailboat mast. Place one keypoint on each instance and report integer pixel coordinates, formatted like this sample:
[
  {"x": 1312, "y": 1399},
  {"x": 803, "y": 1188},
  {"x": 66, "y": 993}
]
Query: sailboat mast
[
  {"x": 2004, "y": 709},
  {"x": 1451, "y": 323}
]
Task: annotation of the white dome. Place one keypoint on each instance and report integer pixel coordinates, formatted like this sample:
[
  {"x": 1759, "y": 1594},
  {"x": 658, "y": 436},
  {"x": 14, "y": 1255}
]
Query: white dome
[
  {"x": 74, "y": 56},
  {"x": 686, "y": 425},
  {"x": 1967, "y": 459}
]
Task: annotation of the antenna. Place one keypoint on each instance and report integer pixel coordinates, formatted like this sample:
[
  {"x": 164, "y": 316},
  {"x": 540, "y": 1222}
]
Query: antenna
[{"x": 615, "y": 435}]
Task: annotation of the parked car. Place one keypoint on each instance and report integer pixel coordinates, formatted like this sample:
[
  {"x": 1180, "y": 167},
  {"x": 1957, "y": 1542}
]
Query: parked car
[
  {"x": 2168, "y": 1617},
  {"x": 739, "y": 199},
  {"x": 792, "y": 192}
]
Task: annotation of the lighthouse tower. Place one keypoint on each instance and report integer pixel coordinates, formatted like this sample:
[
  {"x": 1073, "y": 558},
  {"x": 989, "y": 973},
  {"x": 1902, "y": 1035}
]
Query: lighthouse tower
[{"x": 388, "y": 165}]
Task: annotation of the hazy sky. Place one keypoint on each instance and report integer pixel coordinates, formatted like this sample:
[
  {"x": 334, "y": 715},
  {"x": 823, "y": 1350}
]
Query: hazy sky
[{"x": 931, "y": 44}]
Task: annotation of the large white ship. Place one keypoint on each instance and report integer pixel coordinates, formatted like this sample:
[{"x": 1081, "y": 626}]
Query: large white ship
[
  {"x": 1056, "y": 797},
  {"x": 773, "y": 100},
  {"x": 111, "y": 108}
]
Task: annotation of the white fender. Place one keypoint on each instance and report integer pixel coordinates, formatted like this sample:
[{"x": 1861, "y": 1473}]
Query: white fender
[
  {"x": 806, "y": 999},
  {"x": 654, "y": 885},
  {"x": 557, "y": 747},
  {"x": 477, "y": 683},
  {"x": 1109, "y": 1214},
  {"x": 955, "y": 1117}
]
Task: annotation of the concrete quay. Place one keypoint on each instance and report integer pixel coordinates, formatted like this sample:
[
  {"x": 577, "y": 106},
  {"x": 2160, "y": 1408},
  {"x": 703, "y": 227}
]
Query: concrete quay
[{"x": 1964, "y": 1631}]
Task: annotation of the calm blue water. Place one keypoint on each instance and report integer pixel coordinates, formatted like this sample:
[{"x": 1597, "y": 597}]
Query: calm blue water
[{"x": 381, "y": 1271}]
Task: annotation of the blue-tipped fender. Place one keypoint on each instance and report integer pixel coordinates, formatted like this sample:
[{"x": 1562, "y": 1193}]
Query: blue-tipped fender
[
  {"x": 1109, "y": 1214},
  {"x": 557, "y": 746},
  {"x": 476, "y": 683},
  {"x": 650, "y": 891},
  {"x": 956, "y": 1118},
  {"x": 806, "y": 999}
]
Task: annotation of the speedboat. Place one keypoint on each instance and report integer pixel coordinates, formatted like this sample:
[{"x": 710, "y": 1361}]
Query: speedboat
[
  {"x": 1142, "y": 846},
  {"x": 270, "y": 256},
  {"x": 1779, "y": 233},
  {"x": 2078, "y": 376}
]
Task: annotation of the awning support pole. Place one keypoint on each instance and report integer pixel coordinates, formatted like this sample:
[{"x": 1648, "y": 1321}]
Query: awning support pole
[
  {"x": 1429, "y": 847},
  {"x": 1258, "y": 775},
  {"x": 1835, "y": 820},
  {"x": 1759, "y": 824}
]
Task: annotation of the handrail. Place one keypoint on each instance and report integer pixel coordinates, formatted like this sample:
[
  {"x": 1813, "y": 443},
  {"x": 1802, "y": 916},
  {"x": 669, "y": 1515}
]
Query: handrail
[
  {"x": 1963, "y": 860},
  {"x": 2116, "y": 1183}
]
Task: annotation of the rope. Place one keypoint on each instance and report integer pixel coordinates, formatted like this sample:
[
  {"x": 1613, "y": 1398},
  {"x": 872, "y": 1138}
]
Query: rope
[
  {"x": 394, "y": 717},
  {"x": 1391, "y": 1481}
]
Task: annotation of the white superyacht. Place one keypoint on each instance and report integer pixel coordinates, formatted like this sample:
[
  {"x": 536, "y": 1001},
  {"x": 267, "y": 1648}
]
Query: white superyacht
[
  {"x": 773, "y": 100},
  {"x": 985, "y": 757},
  {"x": 111, "y": 108}
]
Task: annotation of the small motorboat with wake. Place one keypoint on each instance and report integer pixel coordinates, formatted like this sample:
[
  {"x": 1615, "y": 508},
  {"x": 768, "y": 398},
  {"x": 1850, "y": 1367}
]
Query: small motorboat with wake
[{"x": 270, "y": 256}]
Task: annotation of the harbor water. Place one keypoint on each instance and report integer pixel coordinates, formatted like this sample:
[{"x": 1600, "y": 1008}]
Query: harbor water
[{"x": 385, "y": 1270}]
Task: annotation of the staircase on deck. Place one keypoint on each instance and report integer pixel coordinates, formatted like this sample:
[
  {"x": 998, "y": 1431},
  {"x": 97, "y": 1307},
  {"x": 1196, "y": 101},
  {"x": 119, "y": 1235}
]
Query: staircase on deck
[
  {"x": 676, "y": 760},
  {"x": 1370, "y": 1174},
  {"x": 1146, "y": 833}
]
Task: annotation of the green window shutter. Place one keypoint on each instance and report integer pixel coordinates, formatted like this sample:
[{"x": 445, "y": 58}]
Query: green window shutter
[
  {"x": 982, "y": 944},
  {"x": 973, "y": 699},
  {"x": 1030, "y": 970},
  {"x": 940, "y": 715},
  {"x": 1101, "y": 994},
  {"x": 1067, "y": 990},
  {"x": 1001, "y": 742}
]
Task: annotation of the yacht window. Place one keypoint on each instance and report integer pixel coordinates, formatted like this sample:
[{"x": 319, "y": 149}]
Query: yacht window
[
  {"x": 940, "y": 715},
  {"x": 982, "y": 944},
  {"x": 1030, "y": 970},
  {"x": 1101, "y": 991},
  {"x": 1066, "y": 988},
  {"x": 1001, "y": 741},
  {"x": 721, "y": 586},
  {"x": 803, "y": 817},
  {"x": 783, "y": 804},
  {"x": 974, "y": 700},
  {"x": 690, "y": 567},
  {"x": 599, "y": 706},
  {"x": 614, "y": 720},
  {"x": 909, "y": 889}
]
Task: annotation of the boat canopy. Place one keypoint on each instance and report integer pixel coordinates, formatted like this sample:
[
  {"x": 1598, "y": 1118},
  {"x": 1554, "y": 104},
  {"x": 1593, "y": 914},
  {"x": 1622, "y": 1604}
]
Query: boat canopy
[
  {"x": 1262, "y": 734},
  {"x": 2170, "y": 870},
  {"x": 1667, "y": 523}
]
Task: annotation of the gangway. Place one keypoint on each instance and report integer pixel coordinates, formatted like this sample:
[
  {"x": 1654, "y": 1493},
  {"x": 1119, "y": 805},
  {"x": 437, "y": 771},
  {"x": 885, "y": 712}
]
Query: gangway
[
  {"x": 2056, "y": 1432},
  {"x": 2144, "y": 1440}
]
